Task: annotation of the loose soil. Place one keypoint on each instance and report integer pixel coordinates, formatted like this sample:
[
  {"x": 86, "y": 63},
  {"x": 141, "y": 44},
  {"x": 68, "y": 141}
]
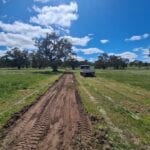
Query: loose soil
[{"x": 55, "y": 121}]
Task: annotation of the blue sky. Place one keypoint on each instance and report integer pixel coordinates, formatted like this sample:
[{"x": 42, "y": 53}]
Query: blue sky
[{"x": 120, "y": 27}]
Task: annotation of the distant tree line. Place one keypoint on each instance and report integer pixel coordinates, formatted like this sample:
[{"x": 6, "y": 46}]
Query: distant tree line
[
  {"x": 15, "y": 58},
  {"x": 53, "y": 51},
  {"x": 139, "y": 64},
  {"x": 116, "y": 62},
  {"x": 106, "y": 61}
]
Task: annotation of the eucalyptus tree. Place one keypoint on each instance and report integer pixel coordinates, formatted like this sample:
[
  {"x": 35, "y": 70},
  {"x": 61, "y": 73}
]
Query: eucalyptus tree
[{"x": 55, "y": 49}]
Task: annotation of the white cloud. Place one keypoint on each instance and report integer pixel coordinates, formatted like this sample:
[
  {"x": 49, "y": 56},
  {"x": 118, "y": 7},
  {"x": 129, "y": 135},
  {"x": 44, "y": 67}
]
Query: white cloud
[
  {"x": 16, "y": 40},
  {"x": 145, "y": 51},
  {"x": 137, "y": 49},
  {"x": 146, "y": 35},
  {"x": 104, "y": 41},
  {"x": 134, "y": 38},
  {"x": 63, "y": 30},
  {"x": 25, "y": 29},
  {"x": 75, "y": 49},
  {"x": 111, "y": 54},
  {"x": 76, "y": 41},
  {"x": 79, "y": 58},
  {"x": 147, "y": 59},
  {"x": 42, "y": 1},
  {"x": 128, "y": 55},
  {"x": 20, "y": 34},
  {"x": 138, "y": 37},
  {"x": 61, "y": 15},
  {"x": 28, "y": 32},
  {"x": 92, "y": 59},
  {"x": 89, "y": 51}
]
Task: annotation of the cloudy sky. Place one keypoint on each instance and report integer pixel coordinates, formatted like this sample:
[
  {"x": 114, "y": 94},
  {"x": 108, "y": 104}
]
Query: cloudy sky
[{"x": 120, "y": 27}]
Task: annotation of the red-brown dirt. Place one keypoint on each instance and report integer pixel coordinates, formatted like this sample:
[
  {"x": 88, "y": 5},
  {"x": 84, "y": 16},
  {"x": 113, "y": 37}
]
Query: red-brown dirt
[{"x": 56, "y": 121}]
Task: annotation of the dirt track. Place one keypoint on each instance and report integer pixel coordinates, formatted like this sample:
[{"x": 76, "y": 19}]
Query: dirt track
[{"x": 56, "y": 121}]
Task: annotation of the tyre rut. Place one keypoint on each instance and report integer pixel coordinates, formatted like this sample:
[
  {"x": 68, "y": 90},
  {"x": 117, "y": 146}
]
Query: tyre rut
[{"x": 52, "y": 123}]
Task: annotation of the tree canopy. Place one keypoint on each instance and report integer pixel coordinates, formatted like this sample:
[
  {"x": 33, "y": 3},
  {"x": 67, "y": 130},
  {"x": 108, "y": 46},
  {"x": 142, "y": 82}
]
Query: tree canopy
[
  {"x": 105, "y": 61},
  {"x": 54, "y": 49}
]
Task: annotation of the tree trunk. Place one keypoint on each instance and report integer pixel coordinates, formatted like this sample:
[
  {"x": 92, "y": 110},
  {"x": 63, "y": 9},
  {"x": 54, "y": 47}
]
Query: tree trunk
[
  {"x": 19, "y": 67},
  {"x": 55, "y": 68},
  {"x": 73, "y": 68}
]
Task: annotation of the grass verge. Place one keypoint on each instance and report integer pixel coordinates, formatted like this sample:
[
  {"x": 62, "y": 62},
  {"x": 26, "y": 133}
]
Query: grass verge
[
  {"x": 121, "y": 106},
  {"x": 19, "y": 88}
]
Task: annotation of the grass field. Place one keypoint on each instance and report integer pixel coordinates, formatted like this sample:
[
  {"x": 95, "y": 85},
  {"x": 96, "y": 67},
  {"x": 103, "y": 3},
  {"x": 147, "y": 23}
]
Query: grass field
[
  {"x": 21, "y": 87},
  {"x": 120, "y": 100}
]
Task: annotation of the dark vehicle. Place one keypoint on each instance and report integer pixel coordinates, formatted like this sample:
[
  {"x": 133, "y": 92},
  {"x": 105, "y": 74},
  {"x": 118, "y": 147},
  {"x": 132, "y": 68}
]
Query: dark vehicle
[{"x": 85, "y": 70}]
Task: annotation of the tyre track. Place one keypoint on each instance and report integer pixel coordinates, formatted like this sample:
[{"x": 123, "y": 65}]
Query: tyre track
[{"x": 52, "y": 123}]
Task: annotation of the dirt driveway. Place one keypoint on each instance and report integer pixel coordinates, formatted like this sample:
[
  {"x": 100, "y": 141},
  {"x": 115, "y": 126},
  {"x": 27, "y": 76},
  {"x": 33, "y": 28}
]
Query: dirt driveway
[{"x": 56, "y": 121}]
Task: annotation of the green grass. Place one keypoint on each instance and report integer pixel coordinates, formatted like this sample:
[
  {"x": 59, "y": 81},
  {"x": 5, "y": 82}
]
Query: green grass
[
  {"x": 138, "y": 78},
  {"x": 122, "y": 98},
  {"x": 21, "y": 87}
]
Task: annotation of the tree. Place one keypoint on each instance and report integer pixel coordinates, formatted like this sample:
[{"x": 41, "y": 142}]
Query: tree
[
  {"x": 118, "y": 62},
  {"x": 5, "y": 61},
  {"x": 17, "y": 57},
  {"x": 55, "y": 49},
  {"x": 26, "y": 58},
  {"x": 38, "y": 60},
  {"x": 102, "y": 61},
  {"x": 136, "y": 63},
  {"x": 73, "y": 63}
]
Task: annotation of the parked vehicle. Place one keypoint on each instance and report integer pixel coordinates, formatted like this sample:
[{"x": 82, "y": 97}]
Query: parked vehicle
[{"x": 86, "y": 70}]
